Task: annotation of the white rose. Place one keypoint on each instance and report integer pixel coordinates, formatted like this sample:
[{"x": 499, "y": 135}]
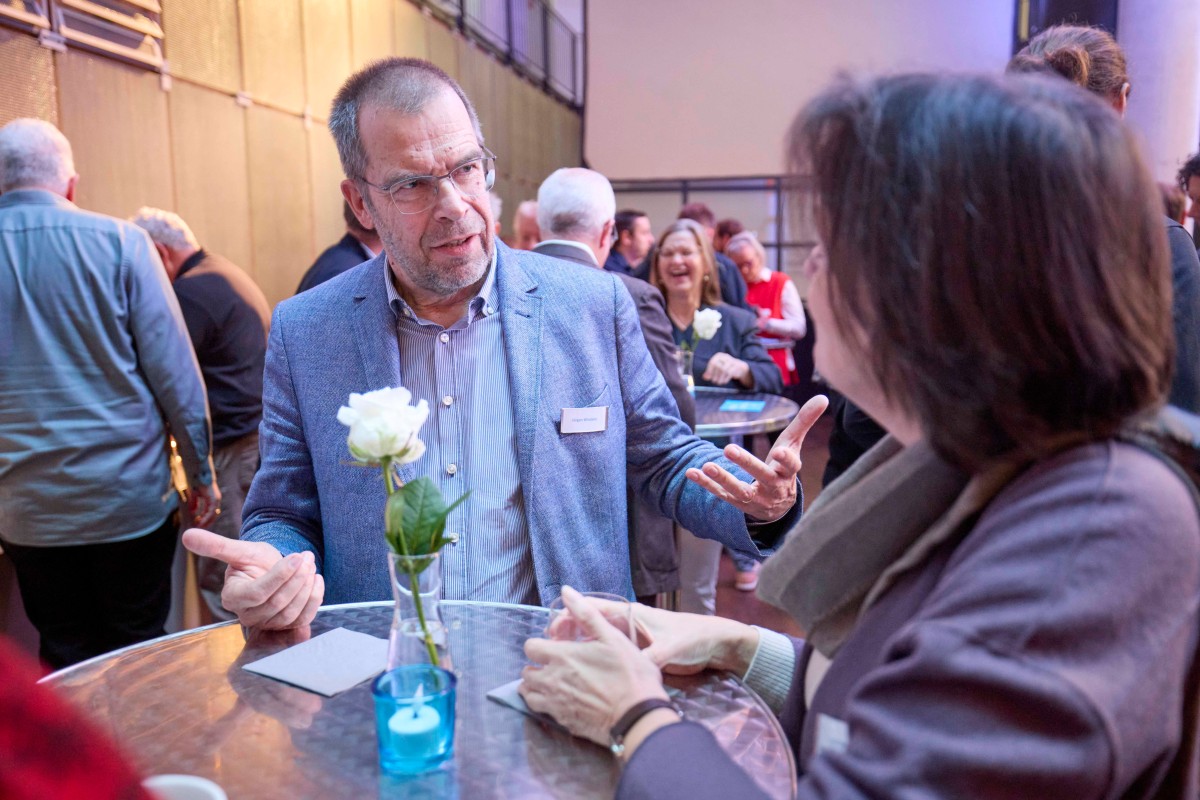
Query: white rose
[
  {"x": 706, "y": 322},
  {"x": 383, "y": 424}
]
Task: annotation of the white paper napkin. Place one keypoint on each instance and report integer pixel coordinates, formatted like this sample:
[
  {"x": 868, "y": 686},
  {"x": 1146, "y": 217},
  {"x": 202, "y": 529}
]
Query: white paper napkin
[
  {"x": 507, "y": 695},
  {"x": 327, "y": 664}
]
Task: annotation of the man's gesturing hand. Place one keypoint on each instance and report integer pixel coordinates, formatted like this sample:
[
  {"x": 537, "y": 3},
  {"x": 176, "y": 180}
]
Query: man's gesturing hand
[
  {"x": 264, "y": 589},
  {"x": 773, "y": 491}
]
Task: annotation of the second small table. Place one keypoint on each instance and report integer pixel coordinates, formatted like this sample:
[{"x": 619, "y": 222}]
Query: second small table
[{"x": 713, "y": 423}]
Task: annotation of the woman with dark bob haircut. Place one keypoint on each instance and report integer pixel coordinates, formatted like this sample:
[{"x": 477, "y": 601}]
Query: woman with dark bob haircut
[{"x": 1000, "y": 597}]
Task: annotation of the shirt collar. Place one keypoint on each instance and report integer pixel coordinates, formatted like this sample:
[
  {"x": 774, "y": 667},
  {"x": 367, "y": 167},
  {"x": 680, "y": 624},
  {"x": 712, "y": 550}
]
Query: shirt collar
[
  {"x": 577, "y": 245},
  {"x": 191, "y": 261},
  {"x": 34, "y": 196},
  {"x": 486, "y": 302}
]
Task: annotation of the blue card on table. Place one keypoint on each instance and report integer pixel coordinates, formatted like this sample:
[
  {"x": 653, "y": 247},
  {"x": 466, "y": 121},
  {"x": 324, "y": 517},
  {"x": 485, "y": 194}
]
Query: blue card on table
[{"x": 749, "y": 406}]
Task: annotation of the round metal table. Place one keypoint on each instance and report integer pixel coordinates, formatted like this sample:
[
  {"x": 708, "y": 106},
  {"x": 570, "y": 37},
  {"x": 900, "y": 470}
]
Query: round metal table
[
  {"x": 712, "y": 422},
  {"x": 183, "y": 704}
]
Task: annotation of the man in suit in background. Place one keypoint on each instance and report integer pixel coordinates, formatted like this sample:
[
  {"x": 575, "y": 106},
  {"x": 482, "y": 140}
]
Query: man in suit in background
[
  {"x": 633, "y": 244},
  {"x": 575, "y": 217},
  {"x": 227, "y": 318},
  {"x": 358, "y": 245},
  {"x": 519, "y": 356}
]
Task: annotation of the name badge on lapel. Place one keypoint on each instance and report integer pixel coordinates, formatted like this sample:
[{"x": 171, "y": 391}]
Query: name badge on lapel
[{"x": 584, "y": 420}]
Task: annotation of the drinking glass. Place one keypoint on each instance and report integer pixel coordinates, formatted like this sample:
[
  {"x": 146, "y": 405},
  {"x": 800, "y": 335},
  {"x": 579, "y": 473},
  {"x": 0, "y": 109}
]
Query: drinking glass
[{"x": 616, "y": 609}]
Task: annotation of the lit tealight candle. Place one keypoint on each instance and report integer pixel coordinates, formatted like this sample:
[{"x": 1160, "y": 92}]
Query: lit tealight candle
[{"x": 415, "y": 727}]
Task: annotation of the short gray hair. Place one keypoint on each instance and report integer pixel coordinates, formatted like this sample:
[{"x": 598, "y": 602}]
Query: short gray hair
[
  {"x": 404, "y": 84},
  {"x": 165, "y": 228},
  {"x": 574, "y": 201},
  {"x": 746, "y": 239},
  {"x": 34, "y": 153}
]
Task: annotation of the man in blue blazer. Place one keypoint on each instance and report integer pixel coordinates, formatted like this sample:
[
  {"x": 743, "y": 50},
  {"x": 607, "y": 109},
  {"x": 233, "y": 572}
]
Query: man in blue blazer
[{"x": 505, "y": 345}]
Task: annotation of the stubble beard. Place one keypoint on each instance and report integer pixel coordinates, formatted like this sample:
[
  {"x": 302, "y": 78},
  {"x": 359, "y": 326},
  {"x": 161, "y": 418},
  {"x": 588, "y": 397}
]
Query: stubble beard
[{"x": 442, "y": 281}]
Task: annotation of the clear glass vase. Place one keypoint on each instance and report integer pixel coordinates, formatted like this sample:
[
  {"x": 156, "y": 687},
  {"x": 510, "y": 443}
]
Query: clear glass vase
[
  {"x": 685, "y": 358},
  {"x": 407, "y": 642}
]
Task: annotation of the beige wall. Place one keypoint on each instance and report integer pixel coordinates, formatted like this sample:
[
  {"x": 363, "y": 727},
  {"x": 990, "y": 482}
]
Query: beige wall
[
  {"x": 684, "y": 89},
  {"x": 1162, "y": 42},
  {"x": 258, "y": 181}
]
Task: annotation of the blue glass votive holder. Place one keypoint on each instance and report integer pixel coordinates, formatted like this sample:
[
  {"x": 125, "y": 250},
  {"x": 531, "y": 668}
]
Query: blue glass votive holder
[{"x": 414, "y": 718}]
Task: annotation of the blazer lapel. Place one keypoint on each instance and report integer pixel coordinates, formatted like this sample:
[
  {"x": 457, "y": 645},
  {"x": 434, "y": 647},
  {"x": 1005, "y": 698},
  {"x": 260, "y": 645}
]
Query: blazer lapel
[
  {"x": 521, "y": 318},
  {"x": 375, "y": 332}
]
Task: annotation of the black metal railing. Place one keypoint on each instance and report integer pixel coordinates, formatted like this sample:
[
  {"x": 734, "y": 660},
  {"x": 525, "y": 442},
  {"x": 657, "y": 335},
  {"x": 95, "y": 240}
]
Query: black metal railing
[
  {"x": 763, "y": 202},
  {"x": 526, "y": 34}
]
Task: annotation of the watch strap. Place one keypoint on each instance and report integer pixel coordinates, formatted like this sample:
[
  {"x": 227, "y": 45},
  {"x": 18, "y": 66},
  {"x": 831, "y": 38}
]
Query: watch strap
[{"x": 630, "y": 718}]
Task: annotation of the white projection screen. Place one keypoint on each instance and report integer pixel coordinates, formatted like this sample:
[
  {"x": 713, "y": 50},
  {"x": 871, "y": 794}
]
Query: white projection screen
[{"x": 698, "y": 88}]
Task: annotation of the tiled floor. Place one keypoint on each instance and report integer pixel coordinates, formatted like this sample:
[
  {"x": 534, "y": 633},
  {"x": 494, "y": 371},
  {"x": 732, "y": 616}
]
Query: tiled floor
[{"x": 745, "y": 606}]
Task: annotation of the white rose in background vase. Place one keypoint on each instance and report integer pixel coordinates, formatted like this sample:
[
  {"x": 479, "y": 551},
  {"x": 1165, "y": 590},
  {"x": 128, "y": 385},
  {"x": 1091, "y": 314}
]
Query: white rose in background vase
[
  {"x": 706, "y": 323},
  {"x": 384, "y": 424}
]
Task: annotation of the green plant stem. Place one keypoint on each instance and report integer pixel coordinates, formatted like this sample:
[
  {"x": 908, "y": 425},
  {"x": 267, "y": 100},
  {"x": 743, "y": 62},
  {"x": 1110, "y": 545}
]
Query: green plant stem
[{"x": 414, "y": 579}]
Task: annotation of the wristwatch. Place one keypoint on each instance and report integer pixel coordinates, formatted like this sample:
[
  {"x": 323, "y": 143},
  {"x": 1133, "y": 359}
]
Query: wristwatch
[{"x": 616, "y": 736}]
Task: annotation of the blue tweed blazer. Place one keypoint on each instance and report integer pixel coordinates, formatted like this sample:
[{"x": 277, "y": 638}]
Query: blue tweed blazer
[{"x": 573, "y": 340}]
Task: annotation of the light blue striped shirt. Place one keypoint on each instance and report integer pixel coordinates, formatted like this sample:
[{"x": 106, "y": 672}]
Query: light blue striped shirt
[{"x": 470, "y": 442}]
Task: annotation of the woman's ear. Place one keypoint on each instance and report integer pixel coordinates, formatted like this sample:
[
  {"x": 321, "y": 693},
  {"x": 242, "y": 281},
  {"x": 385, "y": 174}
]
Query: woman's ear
[{"x": 1121, "y": 101}]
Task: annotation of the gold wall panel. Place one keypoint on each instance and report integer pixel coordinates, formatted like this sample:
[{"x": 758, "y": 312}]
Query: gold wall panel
[
  {"x": 497, "y": 130},
  {"x": 274, "y": 53},
  {"x": 208, "y": 151},
  {"x": 372, "y": 30},
  {"x": 442, "y": 49},
  {"x": 545, "y": 148},
  {"x": 571, "y": 135},
  {"x": 30, "y": 90},
  {"x": 328, "y": 223},
  {"x": 201, "y": 42},
  {"x": 476, "y": 70},
  {"x": 326, "y": 51},
  {"x": 409, "y": 38},
  {"x": 280, "y": 201},
  {"x": 523, "y": 137},
  {"x": 116, "y": 119}
]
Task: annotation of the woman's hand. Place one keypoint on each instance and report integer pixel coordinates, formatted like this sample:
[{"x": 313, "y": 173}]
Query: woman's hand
[
  {"x": 587, "y": 686},
  {"x": 723, "y": 368},
  {"x": 684, "y": 644}
]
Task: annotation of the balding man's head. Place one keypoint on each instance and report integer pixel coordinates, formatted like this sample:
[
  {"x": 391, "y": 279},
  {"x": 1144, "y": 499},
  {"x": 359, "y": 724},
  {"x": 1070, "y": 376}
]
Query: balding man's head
[
  {"x": 35, "y": 155},
  {"x": 525, "y": 225}
]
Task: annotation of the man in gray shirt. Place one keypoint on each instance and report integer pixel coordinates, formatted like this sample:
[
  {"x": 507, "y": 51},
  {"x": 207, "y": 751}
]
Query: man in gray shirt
[{"x": 97, "y": 362}]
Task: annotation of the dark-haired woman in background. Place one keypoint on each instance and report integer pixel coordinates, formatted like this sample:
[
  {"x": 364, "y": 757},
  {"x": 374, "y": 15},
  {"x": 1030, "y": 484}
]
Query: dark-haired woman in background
[
  {"x": 1092, "y": 59},
  {"x": 1001, "y": 597}
]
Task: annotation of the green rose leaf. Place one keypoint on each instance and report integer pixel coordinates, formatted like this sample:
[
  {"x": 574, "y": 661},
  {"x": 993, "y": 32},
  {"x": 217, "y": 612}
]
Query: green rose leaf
[{"x": 416, "y": 518}]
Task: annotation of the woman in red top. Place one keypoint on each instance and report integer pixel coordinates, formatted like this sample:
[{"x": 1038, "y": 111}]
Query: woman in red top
[{"x": 781, "y": 320}]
